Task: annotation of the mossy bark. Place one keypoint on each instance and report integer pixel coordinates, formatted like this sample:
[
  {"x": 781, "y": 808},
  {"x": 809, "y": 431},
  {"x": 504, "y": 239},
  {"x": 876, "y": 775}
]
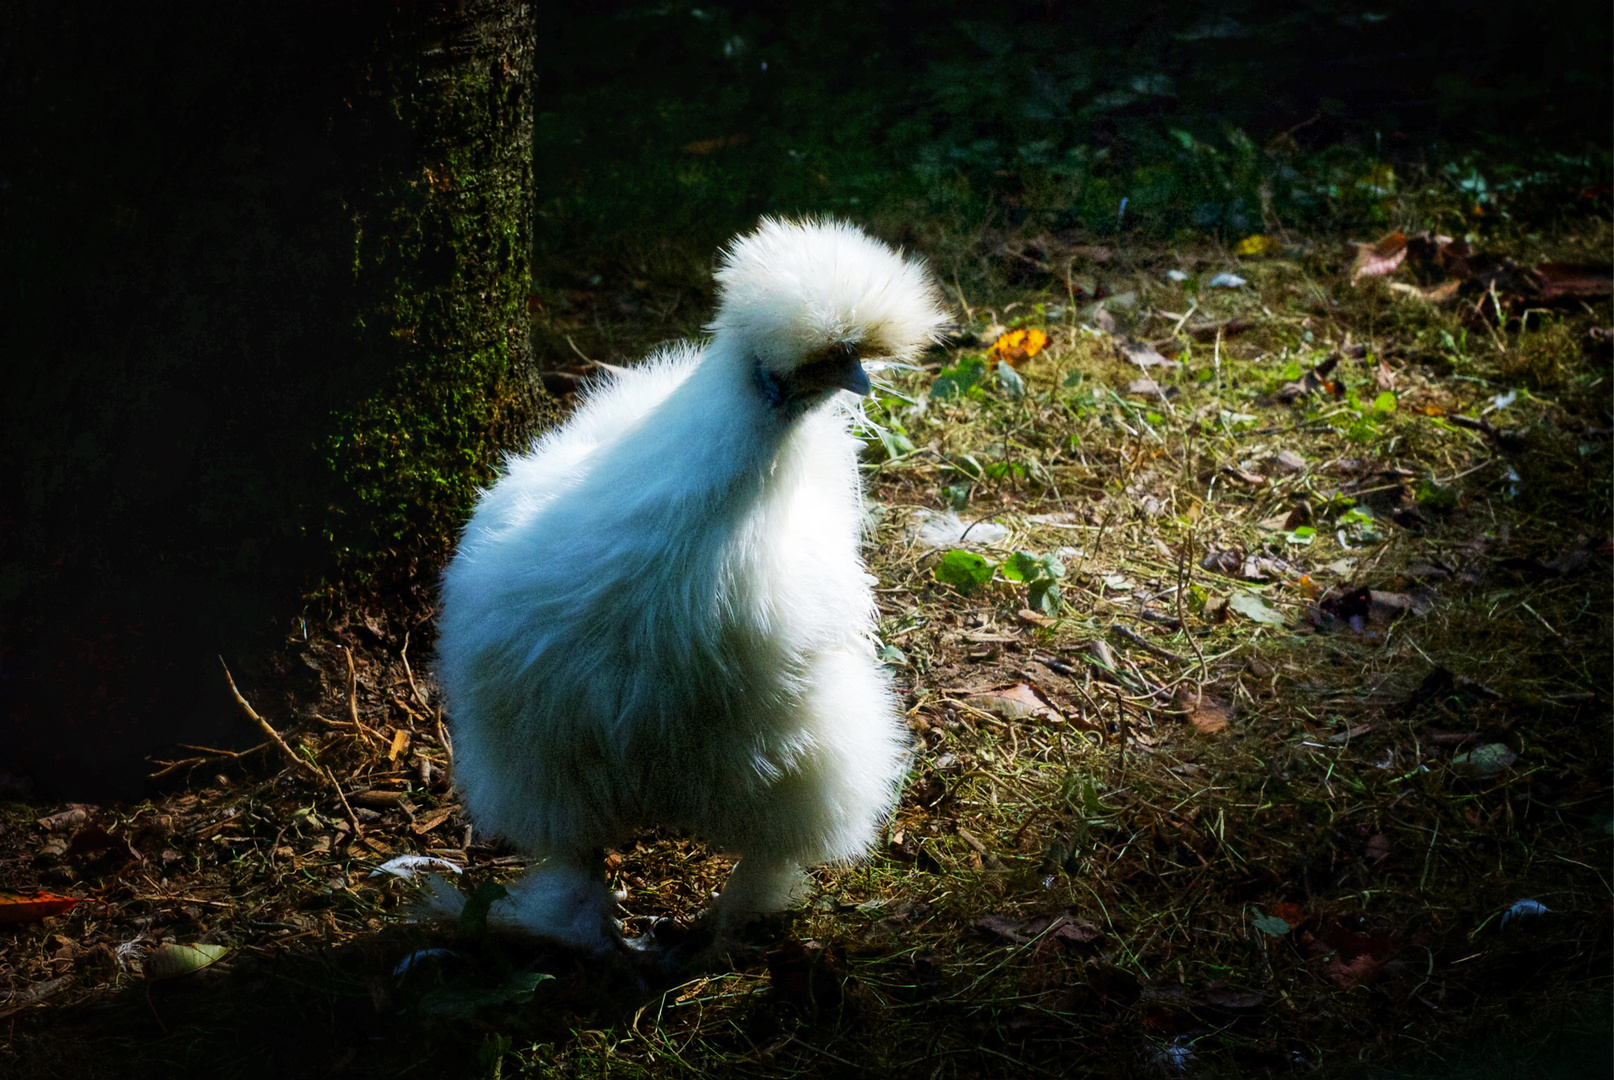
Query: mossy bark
[
  {"x": 440, "y": 255},
  {"x": 263, "y": 274}
]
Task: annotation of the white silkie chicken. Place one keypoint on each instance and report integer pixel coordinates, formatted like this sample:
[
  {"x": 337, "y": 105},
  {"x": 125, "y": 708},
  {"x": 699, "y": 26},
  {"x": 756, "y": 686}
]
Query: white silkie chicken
[{"x": 659, "y": 616}]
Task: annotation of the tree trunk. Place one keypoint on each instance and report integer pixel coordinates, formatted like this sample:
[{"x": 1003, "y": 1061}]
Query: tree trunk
[{"x": 263, "y": 276}]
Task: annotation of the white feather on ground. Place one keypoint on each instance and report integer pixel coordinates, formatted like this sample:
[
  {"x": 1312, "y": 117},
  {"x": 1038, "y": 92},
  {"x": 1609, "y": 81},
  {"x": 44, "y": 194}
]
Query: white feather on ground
[
  {"x": 659, "y": 616},
  {"x": 947, "y": 529}
]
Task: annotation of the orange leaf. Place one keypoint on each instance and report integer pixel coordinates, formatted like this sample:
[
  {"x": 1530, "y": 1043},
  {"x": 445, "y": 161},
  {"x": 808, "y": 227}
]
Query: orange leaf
[
  {"x": 26, "y": 907},
  {"x": 1020, "y": 344}
]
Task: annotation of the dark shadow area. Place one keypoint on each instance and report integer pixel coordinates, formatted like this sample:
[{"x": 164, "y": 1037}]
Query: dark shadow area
[
  {"x": 192, "y": 201},
  {"x": 407, "y": 1001}
]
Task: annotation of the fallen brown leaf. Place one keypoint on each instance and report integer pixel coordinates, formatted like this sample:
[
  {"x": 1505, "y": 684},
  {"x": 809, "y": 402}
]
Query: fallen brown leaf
[
  {"x": 1208, "y": 714},
  {"x": 1573, "y": 281},
  {"x": 1379, "y": 258},
  {"x": 1354, "y": 972},
  {"x": 1014, "y": 702}
]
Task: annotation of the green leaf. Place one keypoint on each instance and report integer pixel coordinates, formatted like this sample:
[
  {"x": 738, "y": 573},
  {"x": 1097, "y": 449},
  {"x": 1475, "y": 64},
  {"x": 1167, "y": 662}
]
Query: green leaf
[
  {"x": 891, "y": 656},
  {"x": 1014, "y": 387},
  {"x": 895, "y": 442},
  {"x": 474, "y": 917},
  {"x": 1044, "y": 596},
  {"x": 1000, "y": 469},
  {"x": 1487, "y": 760},
  {"x": 1252, "y": 607},
  {"x": 1384, "y": 403},
  {"x": 462, "y": 1003},
  {"x": 1271, "y": 925},
  {"x": 1090, "y": 802},
  {"x": 1020, "y": 566},
  {"x": 960, "y": 379},
  {"x": 963, "y": 570},
  {"x": 1024, "y": 566},
  {"x": 1432, "y": 495},
  {"x": 1302, "y": 535},
  {"x": 171, "y": 961}
]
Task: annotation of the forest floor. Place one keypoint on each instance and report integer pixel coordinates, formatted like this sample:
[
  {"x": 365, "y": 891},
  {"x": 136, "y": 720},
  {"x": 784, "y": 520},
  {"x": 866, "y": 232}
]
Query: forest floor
[{"x": 1252, "y": 609}]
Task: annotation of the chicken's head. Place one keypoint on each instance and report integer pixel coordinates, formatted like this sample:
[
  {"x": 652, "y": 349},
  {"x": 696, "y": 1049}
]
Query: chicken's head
[{"x": 808, "y": 302}]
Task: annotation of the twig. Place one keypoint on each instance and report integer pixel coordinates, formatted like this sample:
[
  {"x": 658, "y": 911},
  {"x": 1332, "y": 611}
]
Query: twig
[
  {"x": 969, "y": 312},
  {"x": 1125, "y": 731},
  {"x": 208, "y": 757},
  {"x": 443, "y": 738},
  {"x": 1183, "y": 574},
  {"x": 353, "y": 697},
  {"x": 252, "y": 714},
  {"x": 1138, "y": 639},
  {"x": 291, "y": 755},
  {"x": 352, "y": 818},
  {"x": 403, "y": 654}
]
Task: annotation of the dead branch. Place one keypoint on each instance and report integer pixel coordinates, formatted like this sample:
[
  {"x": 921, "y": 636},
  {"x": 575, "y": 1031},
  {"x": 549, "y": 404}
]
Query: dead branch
[{"x": 252, "y": 714}]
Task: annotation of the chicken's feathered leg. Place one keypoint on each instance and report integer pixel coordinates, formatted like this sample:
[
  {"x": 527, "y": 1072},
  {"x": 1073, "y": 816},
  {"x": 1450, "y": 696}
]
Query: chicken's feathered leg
[
  {"x": 755, "y": 886},
  {"x": 563, "y": 898}
]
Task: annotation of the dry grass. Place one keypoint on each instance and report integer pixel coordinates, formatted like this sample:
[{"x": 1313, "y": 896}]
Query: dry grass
[{"x": 1190, "y": 843}]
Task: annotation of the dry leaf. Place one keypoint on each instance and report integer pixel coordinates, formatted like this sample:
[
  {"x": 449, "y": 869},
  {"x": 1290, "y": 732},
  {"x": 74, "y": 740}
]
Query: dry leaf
[
  {"x": 1147, "y": 356},
  {"x": 1244, "y": 476},
  {"x": 1573, "y": 281},
  {"x": 1225, "y": 998},
  {"x": 1208, "y": 714},
  {"x": 432, "y": 820},
  {"x": 27, "y": 907},
  {"x": 1354, "y": 972},
  {"x": 1014, "y": 702},
  {"x": 1252, "y": 607},
  {"x": 1379, "y": 259}
]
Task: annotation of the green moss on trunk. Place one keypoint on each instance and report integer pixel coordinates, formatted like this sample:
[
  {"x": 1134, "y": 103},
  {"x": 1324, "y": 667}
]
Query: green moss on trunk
[{"x": 440, "y": 252}]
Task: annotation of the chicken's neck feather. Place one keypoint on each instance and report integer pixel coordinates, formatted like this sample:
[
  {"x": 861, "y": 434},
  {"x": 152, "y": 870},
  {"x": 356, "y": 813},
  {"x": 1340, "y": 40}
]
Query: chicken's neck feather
[{"x": 707, "y": 453}]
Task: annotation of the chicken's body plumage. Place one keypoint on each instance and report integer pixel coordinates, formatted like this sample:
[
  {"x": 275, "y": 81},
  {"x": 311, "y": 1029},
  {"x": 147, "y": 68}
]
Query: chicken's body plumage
[{"x": 659, "y": 616}]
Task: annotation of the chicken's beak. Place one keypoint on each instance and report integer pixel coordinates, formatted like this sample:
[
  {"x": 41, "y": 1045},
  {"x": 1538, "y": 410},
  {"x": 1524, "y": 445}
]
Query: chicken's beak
[
  {"x": 839, "y": 367},
  {"x": 848, "y": 368},
  {"x": 855, "y": 379}
]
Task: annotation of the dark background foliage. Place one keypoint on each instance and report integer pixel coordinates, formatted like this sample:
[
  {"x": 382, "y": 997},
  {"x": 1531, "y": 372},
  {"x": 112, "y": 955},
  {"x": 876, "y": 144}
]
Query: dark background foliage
[{"x": 663, "y": 118}]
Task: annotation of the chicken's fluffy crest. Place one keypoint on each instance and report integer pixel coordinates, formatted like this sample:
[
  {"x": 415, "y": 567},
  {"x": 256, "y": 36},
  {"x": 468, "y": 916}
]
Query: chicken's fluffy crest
[{"x": 794, "y": 286}]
